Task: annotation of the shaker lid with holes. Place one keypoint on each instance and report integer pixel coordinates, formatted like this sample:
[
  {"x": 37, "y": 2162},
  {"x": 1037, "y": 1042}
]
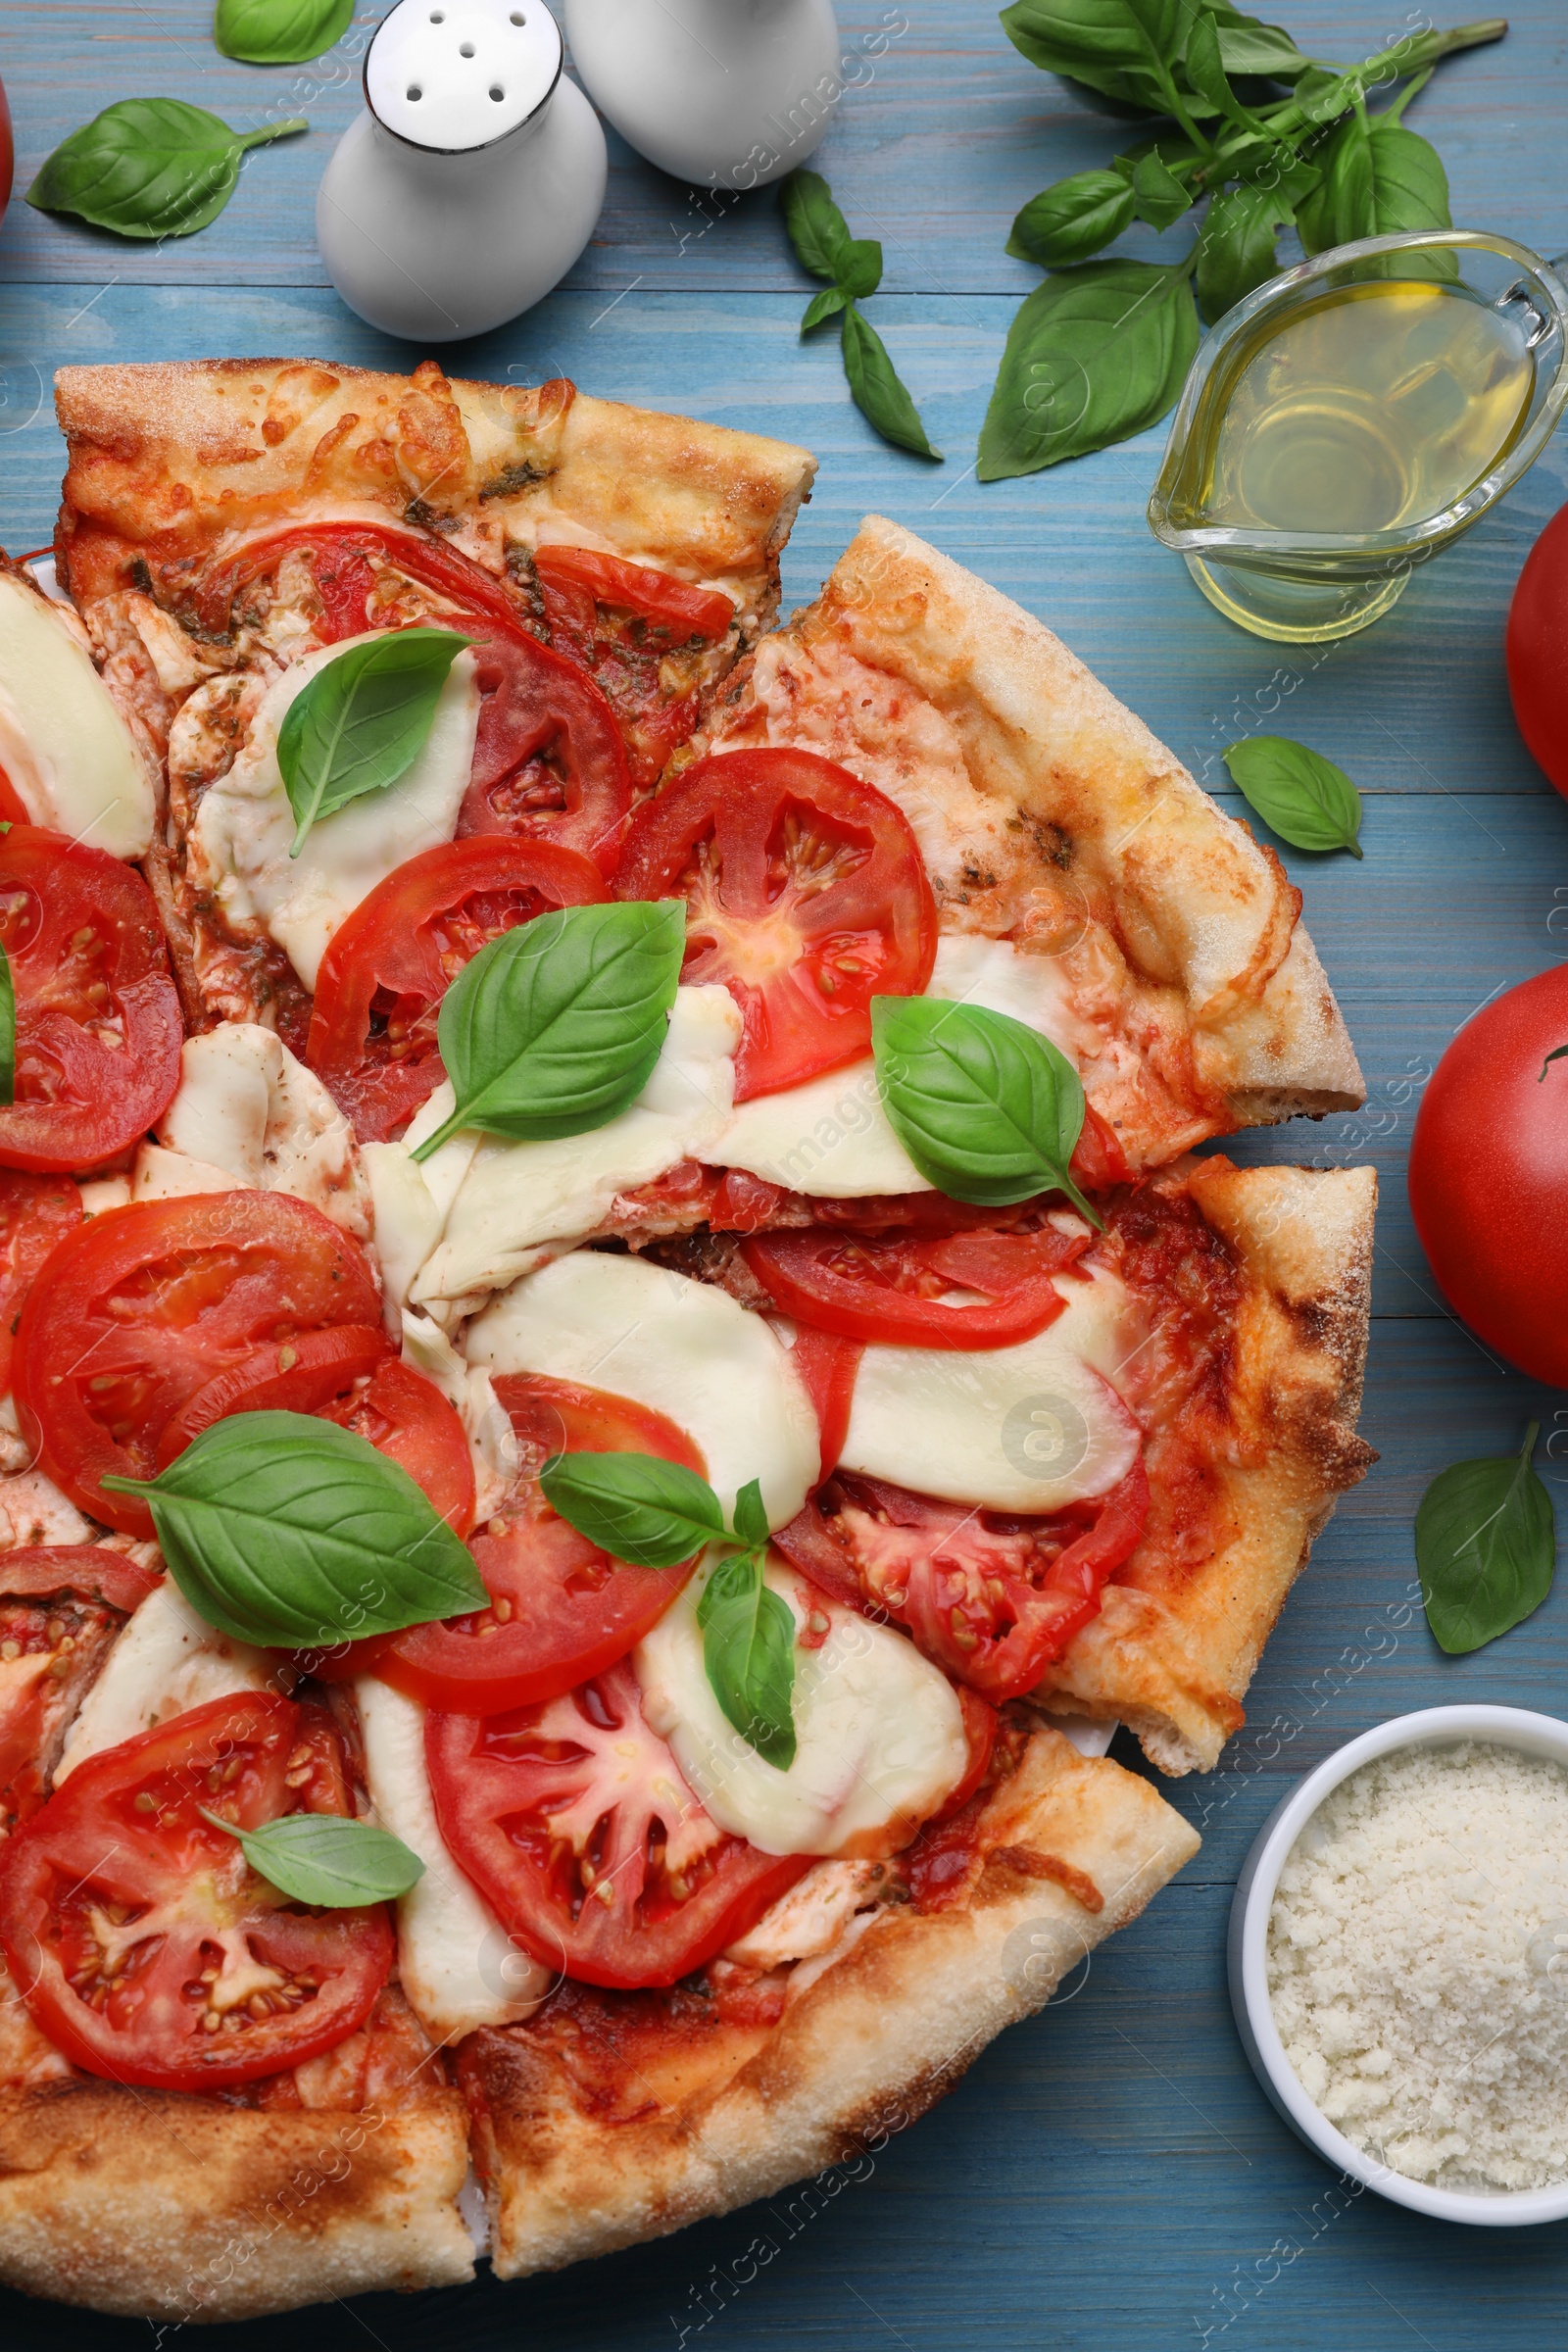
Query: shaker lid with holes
[{"x": 454, "y": 74}]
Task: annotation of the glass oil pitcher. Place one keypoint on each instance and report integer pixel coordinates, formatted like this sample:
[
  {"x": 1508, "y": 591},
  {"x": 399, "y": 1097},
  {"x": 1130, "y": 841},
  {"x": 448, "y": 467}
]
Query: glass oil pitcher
[{"x": 1351, "y": 418}]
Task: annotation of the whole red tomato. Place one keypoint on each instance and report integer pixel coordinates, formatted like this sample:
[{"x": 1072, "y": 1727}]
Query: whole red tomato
[
  {"x": 1489, "y": 1175},
  {"x": 1538, "y": 650}
]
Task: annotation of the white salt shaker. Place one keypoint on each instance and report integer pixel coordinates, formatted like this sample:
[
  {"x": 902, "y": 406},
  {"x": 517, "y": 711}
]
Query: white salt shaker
[
  {"x": 725, "y": 93},
  {"x": 473, "y": 179}
]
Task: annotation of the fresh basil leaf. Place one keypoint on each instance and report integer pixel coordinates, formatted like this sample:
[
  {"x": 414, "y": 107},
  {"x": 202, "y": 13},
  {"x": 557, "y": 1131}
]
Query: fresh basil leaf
[
  {"x": 823, "y": 305},
  {"x": 8, "y": 1033},
  {"x": 149, "y": 168},
  {"x": 1235, "y": 246},
  {"x": 325, "y": 1859},
  {"x": 1159, "y": 196},
  {"x": 287, "y": 1531},
  {"x": 1379, "y": 181},
  {"x": 1160, "y": 23},
  {"x": 859, "y": 269},
  {"x": 1205, "y": 72},
  {"x": 749, "y": 1651},
  {"x": 1094, "y": 355},
  {"x": 818, "y": 230},
  {"x": 1300, "y": 795},
  {"x": 1486, "y": 1545},
  {"x": 363, "y": 721},
  {"x": 750, "y": 1519},
  {"x": 555, "y": 1027},
  {"x": 989, "y": 1110},
  {"x": 1072, "y": 219},
  {"x": 1093, "y": 42},
  {"x": 648, "y": 1512},
  {"x": 1265, "y": 49},
  {"x": 876, "y": 390},
  {"x": 279, "y": 32}
]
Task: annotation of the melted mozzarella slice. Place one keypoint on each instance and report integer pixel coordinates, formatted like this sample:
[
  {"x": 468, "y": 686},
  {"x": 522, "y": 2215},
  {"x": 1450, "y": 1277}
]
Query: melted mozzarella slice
[
  {"x": 471, "y": 1392},
  {"x": 880, "y": 1733},
  {"x": 684, "y": 1348},
  {"x": 456, "y": 1962},
  {"x": 32, "y": 1510},
  {"x": 832, "y": 1139},
  {"x": 515, "y": 1200},
  {"x": 63, "y": 742},
  {"x": 239, "y": 844},
  {"x": 248, "y": 1113},
  {"x": 166, "y": 1661},
  {"x": 1029, "y": 1428}
]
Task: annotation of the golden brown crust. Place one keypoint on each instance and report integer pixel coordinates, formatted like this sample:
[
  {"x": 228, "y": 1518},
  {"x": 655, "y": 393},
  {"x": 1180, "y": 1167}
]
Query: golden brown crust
[
  {"x": 211, "y": 451},
  {"x": 1039, "y": 799},
  {"x": 149, "y": 2204},
  {"x": 1171, "y": 1654},
  {"x": 870, "y": 2044}
]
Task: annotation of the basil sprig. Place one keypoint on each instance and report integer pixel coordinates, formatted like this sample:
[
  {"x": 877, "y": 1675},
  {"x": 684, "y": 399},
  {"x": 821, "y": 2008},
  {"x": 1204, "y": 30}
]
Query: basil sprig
[
  {"x": 1300, "y": 795},
  {"x": 1486, "y": 1545},
  {"x": 291, "y": 1533},
  {"x": 654, "y": 1514},
  {"x": 279, "y": 32},
  {"x": 363, "y": 721},
  {"x": 325, "y": 1859},
  {"x": 820, "y": 236},
  {"x": 987, "y": 1109},
  {"x": 8, "y": 1033},
  {"x": 1263, "y": 135},
  {"x": 149, "y": 168},
  {"x": 555, "y": 1027}
]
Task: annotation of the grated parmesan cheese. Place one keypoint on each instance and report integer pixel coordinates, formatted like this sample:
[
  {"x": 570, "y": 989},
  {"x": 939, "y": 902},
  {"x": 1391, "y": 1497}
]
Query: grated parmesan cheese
[{"x": 1418, "y": 1964}]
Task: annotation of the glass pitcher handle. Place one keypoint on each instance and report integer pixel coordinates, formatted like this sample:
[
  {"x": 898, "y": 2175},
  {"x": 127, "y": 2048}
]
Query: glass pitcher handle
[{"x": 1517, "y": 301}]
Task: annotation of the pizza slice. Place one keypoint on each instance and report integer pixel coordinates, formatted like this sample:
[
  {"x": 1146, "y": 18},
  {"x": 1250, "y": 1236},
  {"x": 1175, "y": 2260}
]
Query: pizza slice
[{"x": 228, "y": 527}]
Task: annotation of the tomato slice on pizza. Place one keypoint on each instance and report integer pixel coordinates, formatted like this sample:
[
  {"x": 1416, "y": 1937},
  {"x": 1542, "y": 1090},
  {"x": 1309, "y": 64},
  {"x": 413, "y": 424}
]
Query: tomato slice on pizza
[
  {"x": 148, "y": 1303},
  {"x": 562, "y": 1610},
  {"x": 807, "y": 897},
  {"x": 378, "y": 991},
  {"x": 963, "y": 1290},
  {"x": 98, "y": 1020},
  {"x": 644, "y": 638},
  {"x": 574, "y": 1820},
  {"x": 147, "y": 1945}
]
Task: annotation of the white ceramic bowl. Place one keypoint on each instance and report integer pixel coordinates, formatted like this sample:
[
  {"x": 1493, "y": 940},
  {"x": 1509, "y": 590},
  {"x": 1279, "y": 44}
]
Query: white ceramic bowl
[{"x": 1507, "y": 1727}]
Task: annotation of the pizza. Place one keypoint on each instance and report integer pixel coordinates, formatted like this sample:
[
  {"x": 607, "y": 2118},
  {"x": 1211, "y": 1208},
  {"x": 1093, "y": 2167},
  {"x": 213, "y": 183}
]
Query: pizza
[{"x": 570, "y": 1540}]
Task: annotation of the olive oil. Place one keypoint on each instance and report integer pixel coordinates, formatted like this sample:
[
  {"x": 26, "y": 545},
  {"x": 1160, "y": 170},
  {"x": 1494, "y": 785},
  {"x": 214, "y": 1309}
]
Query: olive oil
[{"x": 1375, "y": 404}]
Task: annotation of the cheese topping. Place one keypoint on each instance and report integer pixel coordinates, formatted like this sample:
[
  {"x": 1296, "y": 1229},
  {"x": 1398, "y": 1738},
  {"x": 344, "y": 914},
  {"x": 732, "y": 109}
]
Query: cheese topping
[
  {"x": 166, "y": 1661},
  {"x": 247, "y": 1113},
  {"x": 239, "y": 844},
  {"x": 32, "y": 1510},
  {"x": 456, "y": 1962},
  {"x": 880, "y": 1732},
  {"x": 64, "y": 745},
  {"x": 1029, "y": 1428},
  {"x": 681, "y": 1346},
  {"x": 832, "y": 1139},
  {"x": 512, "y": 1200},
  {"x": 471, "y": 1392}
]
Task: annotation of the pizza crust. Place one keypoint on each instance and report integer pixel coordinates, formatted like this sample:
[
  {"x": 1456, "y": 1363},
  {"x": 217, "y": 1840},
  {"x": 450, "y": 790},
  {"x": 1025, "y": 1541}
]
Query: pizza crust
[
  {"x": 212, "y": 451},
  {"x": 868, "y": 2047},
  {"x": 1171, "y": 1654},
  {"x": 147, "y": 2204},
  {"x": 1037, "y": 797}
]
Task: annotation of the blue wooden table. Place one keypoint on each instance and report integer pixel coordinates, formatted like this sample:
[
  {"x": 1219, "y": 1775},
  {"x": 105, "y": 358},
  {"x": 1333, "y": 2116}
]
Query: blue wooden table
[{"x": 1108, "y": 2176}]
